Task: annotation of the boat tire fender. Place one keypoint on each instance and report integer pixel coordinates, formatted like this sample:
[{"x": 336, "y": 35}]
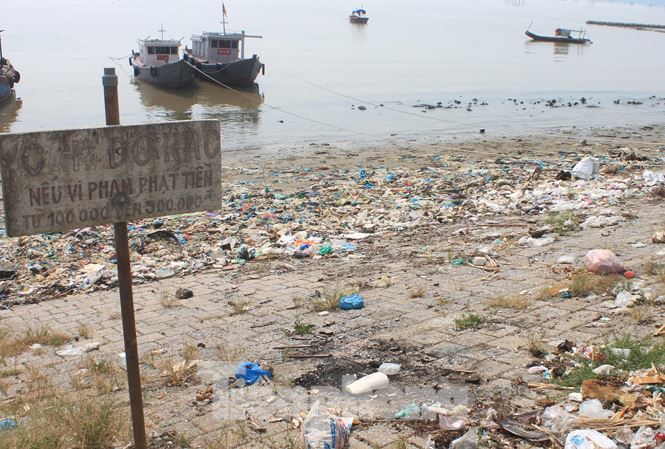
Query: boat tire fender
[
  {"x": 263, "y": 69},
  {"x": 130, "y": 61},
  {"x": 136, "y": 71},
  {"x": 153, "y": 71},
  {"x": 17, "y": 77}
]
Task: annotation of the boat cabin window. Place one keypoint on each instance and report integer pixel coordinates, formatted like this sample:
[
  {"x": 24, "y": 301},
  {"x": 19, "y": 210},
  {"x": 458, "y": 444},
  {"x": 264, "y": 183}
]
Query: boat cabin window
[
  {"x": 215, "y": 43},
  {"x": 162, "y": 50}
]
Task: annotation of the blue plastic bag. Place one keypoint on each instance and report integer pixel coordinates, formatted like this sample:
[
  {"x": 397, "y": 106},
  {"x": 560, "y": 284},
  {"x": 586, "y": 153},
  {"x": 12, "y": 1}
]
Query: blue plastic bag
[
  {"x": 7, "y": 424},
  {"x": 250, "y": 372},
  {"x": 351, "y": 302}
]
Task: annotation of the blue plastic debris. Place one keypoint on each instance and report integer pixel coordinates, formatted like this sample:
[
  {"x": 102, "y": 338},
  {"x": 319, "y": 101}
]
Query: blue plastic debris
[
  {"x": 410, "y": 411},
  {"x": 390, "y": 177},
  {"x": 251, "y": 372},
  {"x": 352, "y": 302},
  {"x": 348, "y": 246},
  {"x": 7, "y": 424},
  {"x": 362, "y": 174}
]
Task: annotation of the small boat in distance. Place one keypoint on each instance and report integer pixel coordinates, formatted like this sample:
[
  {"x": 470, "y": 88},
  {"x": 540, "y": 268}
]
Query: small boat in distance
[
  {"x": 8, "y": 76},
  {"x": 358, "y": 16},
  {"x": 220, "y": 57},
  {"x": 562, "y": 35},
  {"x": 158, "y": 62}
]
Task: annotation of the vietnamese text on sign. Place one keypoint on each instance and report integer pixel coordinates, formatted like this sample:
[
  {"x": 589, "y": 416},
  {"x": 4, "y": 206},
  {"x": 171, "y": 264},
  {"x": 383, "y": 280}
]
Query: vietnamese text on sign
[{"x": 61, "y": 180}]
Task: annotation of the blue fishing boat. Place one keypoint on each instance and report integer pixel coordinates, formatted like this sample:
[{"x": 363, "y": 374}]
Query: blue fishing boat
[
  {"x": 8, "y": 77},
  {"x": 562, "y": 35}
]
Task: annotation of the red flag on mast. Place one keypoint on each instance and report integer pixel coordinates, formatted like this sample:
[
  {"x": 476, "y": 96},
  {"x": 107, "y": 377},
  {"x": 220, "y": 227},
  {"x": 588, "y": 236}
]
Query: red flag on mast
[{"x": 224, "y": 10}]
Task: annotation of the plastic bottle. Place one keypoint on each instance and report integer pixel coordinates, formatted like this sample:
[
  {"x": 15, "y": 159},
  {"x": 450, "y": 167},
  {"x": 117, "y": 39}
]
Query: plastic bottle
[{"x": 369, "y": 383}]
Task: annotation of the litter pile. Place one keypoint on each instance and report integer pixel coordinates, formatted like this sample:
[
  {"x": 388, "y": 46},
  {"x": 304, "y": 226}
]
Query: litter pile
[
  {"x": 609, "y": 400},
  {"x": 332, "y": 217}
]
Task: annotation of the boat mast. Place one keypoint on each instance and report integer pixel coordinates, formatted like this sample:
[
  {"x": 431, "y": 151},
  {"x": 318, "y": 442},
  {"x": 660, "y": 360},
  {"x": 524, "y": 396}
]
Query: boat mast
[
  {"x": 1, "y": 58},
  {"x": 223, "y": 19},
  {"x": 161, "y": 30}
]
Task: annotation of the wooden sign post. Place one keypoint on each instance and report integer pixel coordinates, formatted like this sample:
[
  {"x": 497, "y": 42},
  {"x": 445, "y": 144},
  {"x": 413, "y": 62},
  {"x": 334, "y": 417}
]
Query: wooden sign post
[{"x": 57, "y": 181}]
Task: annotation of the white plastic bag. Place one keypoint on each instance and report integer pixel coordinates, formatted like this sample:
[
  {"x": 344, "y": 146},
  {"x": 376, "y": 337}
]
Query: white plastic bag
[
  {"x": 322, "y": 430},
  {"x": 467, "y": 441},
  {"x": 603, "y": 261},
  {"x": 390, "y": 369},
  {"x": 651, "y": 178},
  {"x": 587, "y": 168},
  {"x": 643, "y": 438},
  {"x": 593, "y": 408},
  {"x": 556, "y": 419},
  {"x": 588, "y": 439}
]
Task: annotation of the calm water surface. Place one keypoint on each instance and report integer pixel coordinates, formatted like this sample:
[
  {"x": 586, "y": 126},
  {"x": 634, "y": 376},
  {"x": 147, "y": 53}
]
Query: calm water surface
[{"x": 420, "y": 51}]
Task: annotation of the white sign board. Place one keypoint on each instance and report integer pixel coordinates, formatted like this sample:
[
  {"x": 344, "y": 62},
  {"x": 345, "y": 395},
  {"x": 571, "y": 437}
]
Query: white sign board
[{"x": 61, "y": 180}]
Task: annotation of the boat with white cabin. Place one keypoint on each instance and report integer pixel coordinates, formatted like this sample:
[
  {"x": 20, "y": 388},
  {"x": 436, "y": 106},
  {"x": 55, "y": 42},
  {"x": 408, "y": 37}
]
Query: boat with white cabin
[
  {"x": 220, "y": 57},
  {"x": 158, "y": 62},
  {"x": 359, "y": 16}
]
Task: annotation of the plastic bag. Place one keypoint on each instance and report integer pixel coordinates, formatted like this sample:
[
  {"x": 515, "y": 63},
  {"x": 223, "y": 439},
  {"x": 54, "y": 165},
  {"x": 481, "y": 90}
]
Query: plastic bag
[
  {"x": 651, "y": 178},
  {"x": 322, "y": 430},
  {"x": 467, "y": 441},
  {"x": 75, "y": 351},
  {"x": 351, "y": 302},
  {"x": 250, "y": 372},
  {"x": 390, "y": 369},
  {"x": 556, "y": 419},
  {"x": 643, "y": 438},
  {"x": 593, "y": 408},
  {"x": 410, "y": 411},
  {"x": 587, "y": 168},
  {"x": 451, "y": 422},
  {"x": 602, "y": 261},
  {"x": 8, "y": 424},
  {"x": 588, "y": 439}
]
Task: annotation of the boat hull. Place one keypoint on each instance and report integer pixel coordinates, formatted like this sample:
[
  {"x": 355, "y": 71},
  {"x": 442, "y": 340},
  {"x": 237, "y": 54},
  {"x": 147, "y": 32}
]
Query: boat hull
[
  {"x": 174, "y": 75},
  {"x": 241, "y": 73},
  {"x": 356, "y": 19},
  {"x": 6, "y": 89},
  {"x": 558, "y": 39}
]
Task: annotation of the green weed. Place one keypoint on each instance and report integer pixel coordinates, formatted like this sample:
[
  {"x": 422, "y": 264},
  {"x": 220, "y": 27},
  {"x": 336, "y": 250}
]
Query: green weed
[{"x": 469, "y": 320}]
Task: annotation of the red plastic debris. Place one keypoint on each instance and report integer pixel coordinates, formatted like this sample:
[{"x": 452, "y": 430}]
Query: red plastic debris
[{"x": 629, "y": 274}]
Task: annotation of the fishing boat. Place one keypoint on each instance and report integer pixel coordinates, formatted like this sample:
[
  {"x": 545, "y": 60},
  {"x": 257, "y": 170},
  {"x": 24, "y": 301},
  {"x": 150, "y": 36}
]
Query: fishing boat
[
  {"x": 158, "y": 62},
  {"x": 562, "y": 35},
  {"x": 220, "y": 58},
  {"x": 8, "y": 77},
  {"x": 358, "y": 16}
]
